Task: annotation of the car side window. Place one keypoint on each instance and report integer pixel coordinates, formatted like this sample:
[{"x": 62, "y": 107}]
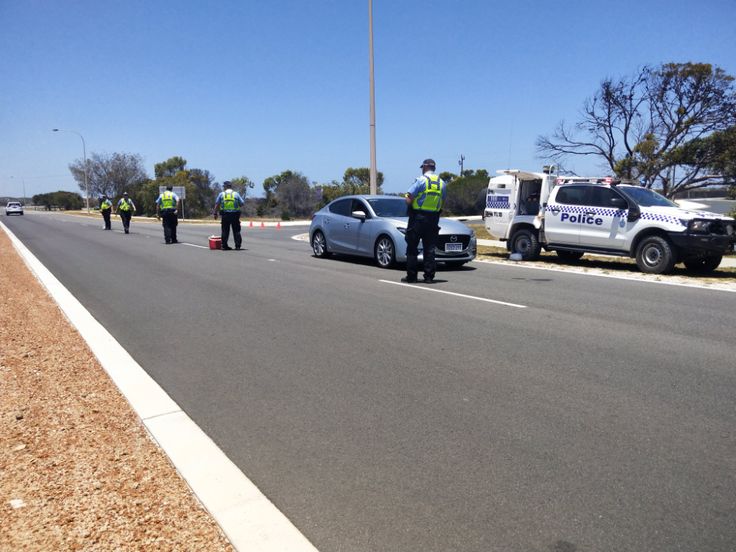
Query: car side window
[
  {"x": 571, "y": 195},
  {"x": 602, "y": 197},
  {"x": 341, "y": 207}
]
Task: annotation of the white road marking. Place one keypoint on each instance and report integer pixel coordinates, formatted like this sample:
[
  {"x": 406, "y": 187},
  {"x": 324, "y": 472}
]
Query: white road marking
[
  {"x": 194, "y": 245},
  {"x": 249, "y": 520},
  {"x": 641, "y": 278},
  {"x": 423, "y": 287}
]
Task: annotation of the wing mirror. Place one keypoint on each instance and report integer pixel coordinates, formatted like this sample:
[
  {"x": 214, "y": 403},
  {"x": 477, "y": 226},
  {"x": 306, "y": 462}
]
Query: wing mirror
[
  {"x": 359, "y": 215},
  {"x": 634, "y": 213},
  {"x": 619, "y": 203}
]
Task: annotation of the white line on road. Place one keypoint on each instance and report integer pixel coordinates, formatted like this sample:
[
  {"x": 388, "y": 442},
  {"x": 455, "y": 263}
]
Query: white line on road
[
  {"x": 247, "y": 517},
  {"x": 424, "y": 288},
  {"x": 194, "y": 245}
]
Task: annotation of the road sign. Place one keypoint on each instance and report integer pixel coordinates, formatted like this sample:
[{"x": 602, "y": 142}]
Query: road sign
[{"x": 181, "y": 191}]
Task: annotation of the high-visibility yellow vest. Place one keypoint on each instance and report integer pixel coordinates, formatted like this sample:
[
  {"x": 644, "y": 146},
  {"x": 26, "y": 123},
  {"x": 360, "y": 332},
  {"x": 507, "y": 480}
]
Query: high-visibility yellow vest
[
  {"x": 432, "y": 195},
  {"x": 106, "y": 205},
  {"x": 228, "y": 201},
  {"x": 167, "y": 200},
  {"x": 124, "y": 205}
]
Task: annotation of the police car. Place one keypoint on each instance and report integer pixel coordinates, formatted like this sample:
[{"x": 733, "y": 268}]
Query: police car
[{"x": 574, "y": 216}]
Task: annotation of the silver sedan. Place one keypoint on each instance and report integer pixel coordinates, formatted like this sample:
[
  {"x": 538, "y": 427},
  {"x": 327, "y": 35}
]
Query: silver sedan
[{"x": 374, "y": 226}]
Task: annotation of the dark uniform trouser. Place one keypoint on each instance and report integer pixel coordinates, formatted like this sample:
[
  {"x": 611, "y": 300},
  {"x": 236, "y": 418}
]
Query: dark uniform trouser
[
  {"x": 169, "y": 221},
  {"x": 422, "y": 226},
  {"x": 106, "y": 217},
  {"x": 125, "y": 217},
  {"x": 227, "y": 220}
]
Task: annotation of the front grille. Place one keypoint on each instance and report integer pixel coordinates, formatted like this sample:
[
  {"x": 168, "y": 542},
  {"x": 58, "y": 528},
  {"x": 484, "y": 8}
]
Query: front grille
[{"x": 442, "y": 239}]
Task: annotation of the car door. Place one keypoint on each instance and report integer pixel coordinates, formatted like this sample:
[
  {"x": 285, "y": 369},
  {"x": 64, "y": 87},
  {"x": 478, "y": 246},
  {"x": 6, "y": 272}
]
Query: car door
[
  {"x": 337, "y": 226},
  {"x": 604, "y": 221},
  {"x": 563, "y": 213},
  {"x": 365, "y": 230}
]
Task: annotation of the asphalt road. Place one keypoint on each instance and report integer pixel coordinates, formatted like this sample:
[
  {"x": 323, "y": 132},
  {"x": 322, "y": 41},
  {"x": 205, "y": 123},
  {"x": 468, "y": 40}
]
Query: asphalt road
[{"x": 382, "y": 417}]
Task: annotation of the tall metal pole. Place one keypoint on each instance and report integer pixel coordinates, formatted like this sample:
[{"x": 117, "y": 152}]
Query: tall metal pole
[
  {"x": 84, "y": 152},
  {"x": 374, "y": 172}
]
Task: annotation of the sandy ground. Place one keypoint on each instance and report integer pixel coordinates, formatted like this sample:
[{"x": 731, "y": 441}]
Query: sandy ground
[{"x": 78, "y": 471}]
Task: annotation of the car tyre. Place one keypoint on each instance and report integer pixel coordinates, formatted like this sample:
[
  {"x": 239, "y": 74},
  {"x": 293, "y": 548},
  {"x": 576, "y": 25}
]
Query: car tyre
[
  {"x": 570, "y": 255},
  {"x": 654, "y": 255},
  {"x": 384, "y": 252},
  {"x": 703, "y": 265},
  {"x": 526, "y": 243},
  {"x": 319, "y": 245}
]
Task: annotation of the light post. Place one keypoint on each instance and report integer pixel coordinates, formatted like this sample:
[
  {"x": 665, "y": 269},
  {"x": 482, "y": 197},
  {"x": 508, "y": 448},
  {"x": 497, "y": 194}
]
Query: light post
[
  {"x": 460, "y": 162},
  {"x": 374, "y": 173},
  {"x": 84, "y": 152},
  {"x": 23, "y": 180}
]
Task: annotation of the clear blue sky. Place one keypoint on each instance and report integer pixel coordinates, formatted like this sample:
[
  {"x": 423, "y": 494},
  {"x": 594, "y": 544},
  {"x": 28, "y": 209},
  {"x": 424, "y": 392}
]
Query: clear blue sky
[{"x": 254, "y": 88}]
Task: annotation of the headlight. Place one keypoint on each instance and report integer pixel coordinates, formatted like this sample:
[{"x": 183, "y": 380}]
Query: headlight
[
  {"x": 699, "y": 226},
  {"x": 729, "y": 229},
  {"x": 402, "y": 230}
]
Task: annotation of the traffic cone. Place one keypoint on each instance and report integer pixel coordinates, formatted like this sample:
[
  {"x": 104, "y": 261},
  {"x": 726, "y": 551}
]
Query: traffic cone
[
  {"x": 262, "y": 225},
  {"x": 250, "y": 224},
  {"x": 278, "y": 225}
]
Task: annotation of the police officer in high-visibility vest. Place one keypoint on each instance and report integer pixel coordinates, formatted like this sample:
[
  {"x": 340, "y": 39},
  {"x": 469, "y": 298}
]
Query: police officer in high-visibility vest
[
  {"x": 106, "y": 209},
  {"x": 167, "y": 208},
  {"x": 425, "y": 199},
  {"x": 228, "y": 204},
  {"x": 126, "y": 208}
]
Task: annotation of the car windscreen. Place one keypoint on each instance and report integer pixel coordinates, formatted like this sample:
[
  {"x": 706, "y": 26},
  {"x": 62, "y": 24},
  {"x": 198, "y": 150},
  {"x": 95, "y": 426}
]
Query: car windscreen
[
  {"x": 389, "y": 207},
  {"x": 646, "y": 197}
]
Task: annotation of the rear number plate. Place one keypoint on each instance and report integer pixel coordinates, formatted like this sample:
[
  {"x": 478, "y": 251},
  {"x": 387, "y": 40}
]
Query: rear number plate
[{"x": 453, "y": 247}]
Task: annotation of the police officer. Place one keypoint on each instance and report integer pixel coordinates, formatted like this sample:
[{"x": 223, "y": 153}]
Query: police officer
[
  {"x": 106, "y": 209},
  {"x": 126, "y": 208},
  {"x": 228, "y": 203},
  {"x": 167, "y": 208},
  {"x": 425, "y": 199}
]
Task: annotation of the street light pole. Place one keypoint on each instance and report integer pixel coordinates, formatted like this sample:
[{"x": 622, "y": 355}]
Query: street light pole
[
  {"x": 374, "y": 172},
  {"x": 84, "y": 152},
  {"x": 23, "y": 180}
]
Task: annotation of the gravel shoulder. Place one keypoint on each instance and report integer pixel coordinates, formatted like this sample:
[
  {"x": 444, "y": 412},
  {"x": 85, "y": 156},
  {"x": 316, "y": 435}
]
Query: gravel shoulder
[{"x": 78, "y": 471}]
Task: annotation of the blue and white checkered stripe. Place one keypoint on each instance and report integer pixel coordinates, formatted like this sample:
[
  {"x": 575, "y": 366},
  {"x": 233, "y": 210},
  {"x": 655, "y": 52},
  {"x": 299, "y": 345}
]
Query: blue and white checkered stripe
[
  {"x": 497, "y": 202},
  {"x": 602, "y": 211},
  {"x": 662, "y": 218},
  {"x": 582, "y": 209}
]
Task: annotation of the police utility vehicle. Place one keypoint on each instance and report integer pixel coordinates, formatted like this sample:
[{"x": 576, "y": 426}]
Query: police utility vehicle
[{"x": 573, "y": 216}]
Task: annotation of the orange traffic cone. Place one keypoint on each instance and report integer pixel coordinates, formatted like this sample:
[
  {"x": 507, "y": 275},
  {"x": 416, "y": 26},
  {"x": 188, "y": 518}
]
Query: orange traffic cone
[
  {"x": 278, "y": 225},
  {"x": 250, "y": 224},
  {"x": 262, "y": 225}
]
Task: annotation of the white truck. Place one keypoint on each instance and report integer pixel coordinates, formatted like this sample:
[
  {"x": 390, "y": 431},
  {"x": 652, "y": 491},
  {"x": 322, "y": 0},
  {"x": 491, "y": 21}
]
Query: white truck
[{"x": 574, "y": 216}]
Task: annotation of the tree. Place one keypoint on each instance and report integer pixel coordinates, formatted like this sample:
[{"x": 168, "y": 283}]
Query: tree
[
  {"x": 289, "y": 194},
  {"x": 358, "y": 180},
  {"x": 354, "y": 181},
  {"x": 642, "y": 126},
  {"x": 198, "y": 183},
  {"x": 169, "y": 167},
  {"x": 59, "y": 200},
  {"x": 111, "y": 174},
  {"x": 242, "y": 184},
  {"x": 466, "y": 195}
]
